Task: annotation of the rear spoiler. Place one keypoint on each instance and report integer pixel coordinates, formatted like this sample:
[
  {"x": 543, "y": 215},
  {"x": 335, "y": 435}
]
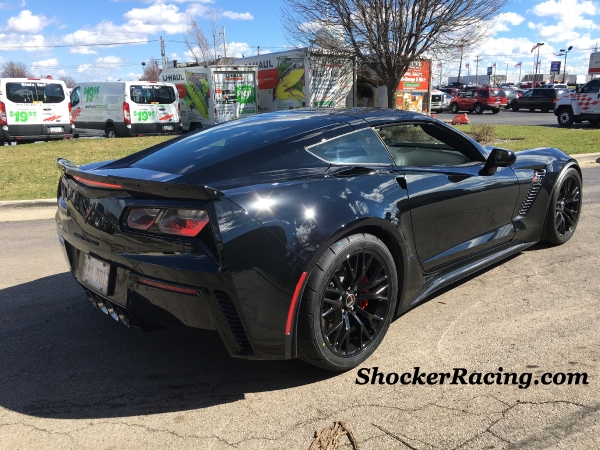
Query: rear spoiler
[{"x": 136, "y": 187}]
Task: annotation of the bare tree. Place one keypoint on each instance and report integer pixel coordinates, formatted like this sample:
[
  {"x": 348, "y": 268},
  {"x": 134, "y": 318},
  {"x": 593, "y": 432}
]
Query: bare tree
[
  {"x": 15, "y": 70},
  {"x": 205, "y": 46},
  {"x": 388, "y": 35},
  {"x": 69, "y": 81},
  {"x": 151, "y": 71}
]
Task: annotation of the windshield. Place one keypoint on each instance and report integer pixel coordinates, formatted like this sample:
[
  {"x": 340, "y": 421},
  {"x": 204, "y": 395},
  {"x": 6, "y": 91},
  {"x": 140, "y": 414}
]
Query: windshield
[
  {"x": 27, "y": 92},
  {"x": 152, "y": 94}
]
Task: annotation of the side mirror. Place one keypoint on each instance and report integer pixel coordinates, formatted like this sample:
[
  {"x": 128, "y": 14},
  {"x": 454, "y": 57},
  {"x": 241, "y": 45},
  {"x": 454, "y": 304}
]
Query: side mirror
[{"x": 498, "y": 158}]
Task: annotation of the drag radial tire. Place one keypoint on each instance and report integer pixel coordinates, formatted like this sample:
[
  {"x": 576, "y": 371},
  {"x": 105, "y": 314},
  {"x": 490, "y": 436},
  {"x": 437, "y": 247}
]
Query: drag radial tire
[
  {"x": 348, "y": 303},
  {"x": 564, "y": 208}
]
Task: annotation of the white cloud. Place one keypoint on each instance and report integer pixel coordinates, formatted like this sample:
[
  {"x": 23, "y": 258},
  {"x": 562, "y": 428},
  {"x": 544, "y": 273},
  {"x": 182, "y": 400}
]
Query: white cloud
[
  {"x": 238, "y": 16},
  {"x": 26, "y": 22},
  {"x": 16, "y": 42},
  {"x": 560, "y": 9},
  {"x": 156, "y": 14},
  {"x": 52, "y": 62},
  {"x": 83, "y": 51},
  {"x": 569, "y": 15},
  {"x": 237, "y": 49},
  {"x": 105, "y": 32},
  {"x": 502, "y": 21},
  {"x": 101, "y": 65}
]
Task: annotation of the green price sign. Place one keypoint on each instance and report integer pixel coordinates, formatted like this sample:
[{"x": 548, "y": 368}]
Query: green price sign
[{"x": 22, "y": 116}]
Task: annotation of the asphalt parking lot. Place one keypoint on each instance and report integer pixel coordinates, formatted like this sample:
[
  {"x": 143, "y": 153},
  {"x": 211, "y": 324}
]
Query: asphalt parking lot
[
  {"x": 72, "y": 378},
  {"x": 510, "y": 117}
]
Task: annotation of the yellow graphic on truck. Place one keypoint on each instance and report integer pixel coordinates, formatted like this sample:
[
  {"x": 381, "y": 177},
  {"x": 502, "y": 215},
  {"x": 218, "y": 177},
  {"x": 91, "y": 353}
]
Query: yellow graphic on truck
[{"x": 198, "y": 93}]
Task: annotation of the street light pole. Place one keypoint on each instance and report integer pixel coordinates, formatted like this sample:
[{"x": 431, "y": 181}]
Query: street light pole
[
  {"x": 477, "y": 61},
  {"x": 565, "y": 68},
  {"x": 539, "y": 44}
]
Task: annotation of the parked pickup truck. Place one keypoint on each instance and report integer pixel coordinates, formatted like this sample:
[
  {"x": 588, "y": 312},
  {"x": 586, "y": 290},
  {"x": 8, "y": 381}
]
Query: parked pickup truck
[{"x": 577, "y": 107}]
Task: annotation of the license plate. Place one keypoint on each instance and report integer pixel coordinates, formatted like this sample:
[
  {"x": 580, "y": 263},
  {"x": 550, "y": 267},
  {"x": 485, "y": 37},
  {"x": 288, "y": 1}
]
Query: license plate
[
  {"x": 55, "y": 129},
  {"x": 95, "y": 273},
  {"x": 168, "y": 127}
]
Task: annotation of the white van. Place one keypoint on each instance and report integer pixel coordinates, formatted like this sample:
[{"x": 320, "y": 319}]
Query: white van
[
  {"x": 34, "y": 109},
  {"x": 125, "y": 108}
]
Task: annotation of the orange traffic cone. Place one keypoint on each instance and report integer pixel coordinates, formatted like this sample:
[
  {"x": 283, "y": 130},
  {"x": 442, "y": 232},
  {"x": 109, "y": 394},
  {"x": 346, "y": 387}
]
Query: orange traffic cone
[{"x": 460, "y": 119}]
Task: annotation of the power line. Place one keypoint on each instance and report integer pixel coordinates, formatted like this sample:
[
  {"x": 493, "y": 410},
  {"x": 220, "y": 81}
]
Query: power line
[{"x": 77, "y": 45}]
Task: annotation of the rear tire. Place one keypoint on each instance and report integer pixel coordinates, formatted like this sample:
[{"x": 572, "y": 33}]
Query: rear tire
[
  {"x": 348, "y": 303},
  {"x": 111, "y": 132},
  {"x": 515, "y": 107},
  {"x": 545, "y": 109},
  {"x": 564, "y": 209},
  {"x": 565, "y": 117},
  {"x": 495, "y": 110}
]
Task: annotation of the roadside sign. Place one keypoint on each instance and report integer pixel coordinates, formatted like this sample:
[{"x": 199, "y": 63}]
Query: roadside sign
[
  {"x": 489, "y": 70},
  {"x": 555, "y": 67}
]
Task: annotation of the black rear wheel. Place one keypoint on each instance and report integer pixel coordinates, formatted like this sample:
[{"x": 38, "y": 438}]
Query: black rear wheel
[
  {"x": 564, "y": 209},
  {"x": 565, "y": 117},
  {"x": 111, "y": 131},
  {"x": 348, "y": 303},
  {"x": 454, "y": 107}
]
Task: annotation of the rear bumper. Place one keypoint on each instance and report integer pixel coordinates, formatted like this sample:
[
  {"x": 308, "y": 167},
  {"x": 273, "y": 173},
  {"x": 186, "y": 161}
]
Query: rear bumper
[
  {"x": 33, "y": 134},
  {"x": 149, "y": 129},
  {"x": 244, "y": 292}
]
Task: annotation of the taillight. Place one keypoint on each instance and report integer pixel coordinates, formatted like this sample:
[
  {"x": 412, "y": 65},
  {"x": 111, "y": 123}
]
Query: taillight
[
  {"x": 178, "y": 222},
  {"x": 183, "y": 222},
  {"x": 126, "y": 113},
  {"x": 70, "y": 116},
  {"x": 97, "y": 184},
  {"x": 179, "y": 111},
  {"x": 142, "y": 218},
  {"x": 3, "y": 119}
]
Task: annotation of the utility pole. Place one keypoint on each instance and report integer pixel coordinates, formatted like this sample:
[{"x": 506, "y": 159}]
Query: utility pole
[
  {"x": 477, "y": 61},
  {"x": 460, "y": 65},
  {"x": 163, "y": 52},
  {"x": 224, "y": 42}
]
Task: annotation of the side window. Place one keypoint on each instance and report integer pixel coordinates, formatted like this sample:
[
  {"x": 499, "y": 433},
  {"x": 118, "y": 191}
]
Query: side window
[
  {"x": 528, "y": 94},
  {"x": 426, "y": 145},
  {"x": 593, "y": 87},
  {"x": 483, "y": 94},
  {"x": 358, "y": 147},
  {"x": 75, "y": 99},
  {"x": 468, "y": 94}
]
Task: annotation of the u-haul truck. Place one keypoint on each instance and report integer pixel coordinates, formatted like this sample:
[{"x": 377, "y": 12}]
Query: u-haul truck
[
  {"x": 209, "y": 95},
  {"x": 302, "y": 77},
  {"x": 33, "y": 109},
  {"x": 125, "y": 108}
]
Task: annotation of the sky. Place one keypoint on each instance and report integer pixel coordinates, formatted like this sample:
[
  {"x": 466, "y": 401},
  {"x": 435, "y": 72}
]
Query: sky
[{"x": 56, "y": 37}]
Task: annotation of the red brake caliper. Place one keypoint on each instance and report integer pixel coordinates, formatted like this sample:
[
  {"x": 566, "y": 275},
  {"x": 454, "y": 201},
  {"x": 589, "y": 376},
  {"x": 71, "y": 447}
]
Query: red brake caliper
[{"x": 363, "y": 302}]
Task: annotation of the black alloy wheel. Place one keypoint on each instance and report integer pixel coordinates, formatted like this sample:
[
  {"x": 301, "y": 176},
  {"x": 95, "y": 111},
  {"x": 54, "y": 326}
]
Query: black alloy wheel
[
  {"x": 565, "y": 208},
  {"x": 348, "y": 305}
]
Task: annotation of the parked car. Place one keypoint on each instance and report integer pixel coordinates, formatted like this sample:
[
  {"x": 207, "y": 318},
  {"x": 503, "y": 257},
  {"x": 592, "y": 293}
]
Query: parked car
[
  {"x": 556, "y": 86},
  {"x": 303, "y": 233},
  {"x": 479, "y": 100},
  {"x": 458, "y": 85},
  {"x": 440, "y": 101},
  {"x": 511, "y": 94},
  {"x": 451, "y": 91},
  {"x": 125, "y": 108},
  {"x": 543, "y": 99},
  {"x": 583, "y": 105},
  {"x": 34, "y": 109}
]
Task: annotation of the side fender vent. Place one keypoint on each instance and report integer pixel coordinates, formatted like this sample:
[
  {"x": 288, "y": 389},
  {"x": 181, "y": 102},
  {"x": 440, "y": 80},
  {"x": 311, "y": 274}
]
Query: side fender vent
[
  {"x": 235, "y": 324},
  {"x": 536, "y": 184}
]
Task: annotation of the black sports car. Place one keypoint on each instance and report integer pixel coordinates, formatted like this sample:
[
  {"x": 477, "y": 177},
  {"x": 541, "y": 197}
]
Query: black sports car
[{"x": 304, "y": 233}]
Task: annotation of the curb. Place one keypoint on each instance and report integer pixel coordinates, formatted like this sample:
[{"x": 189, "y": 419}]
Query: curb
[
  {"x": 587, "y": 158},
  {"x": 39, "y": 203}
]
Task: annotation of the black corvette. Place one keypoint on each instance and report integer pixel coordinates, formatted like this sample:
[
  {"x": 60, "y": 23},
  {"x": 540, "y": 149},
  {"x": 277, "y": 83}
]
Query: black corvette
[{"x": 304, "y": 233}]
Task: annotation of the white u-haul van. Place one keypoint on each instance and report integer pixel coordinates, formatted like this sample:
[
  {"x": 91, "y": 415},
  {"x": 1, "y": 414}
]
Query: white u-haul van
[
  {"x": 209, "y": 95},
  {"x": 33, "y": 109},
  {"x": 125, "y": 108}
]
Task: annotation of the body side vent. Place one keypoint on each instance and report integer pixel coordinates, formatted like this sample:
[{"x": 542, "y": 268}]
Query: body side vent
[
  {"x": 233, "y": 320},
  {"x": 536, "y": 184}
]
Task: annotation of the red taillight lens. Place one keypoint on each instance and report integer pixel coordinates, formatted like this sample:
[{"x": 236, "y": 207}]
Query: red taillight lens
[
  {"x": 183, "y": 222},
  {"x": 126, "y": 113},
  {"x": 97, "y": 184},
  {"x": 142, "y": 218},
  {"x": 70, "y": 116},
  {"x": 179, "y": 111},
  {"x": 3, "y": 119}
]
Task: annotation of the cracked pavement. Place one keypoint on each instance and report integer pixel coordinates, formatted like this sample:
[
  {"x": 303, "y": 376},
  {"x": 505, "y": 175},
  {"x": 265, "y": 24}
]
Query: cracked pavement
[{"x": 72, "y": 378}]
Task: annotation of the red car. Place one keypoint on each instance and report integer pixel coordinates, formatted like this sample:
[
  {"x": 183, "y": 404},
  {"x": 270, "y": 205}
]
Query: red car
[{"x": 479, "y": 100}]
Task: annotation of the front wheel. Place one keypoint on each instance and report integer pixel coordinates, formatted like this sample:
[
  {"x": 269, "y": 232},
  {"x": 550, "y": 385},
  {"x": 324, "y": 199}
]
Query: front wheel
[
  {"x": 478, "y": 108},
  {"x": 565, "y": 117},
  {"x": 348, "y": 303},
  {"x": 564, "y": 209}
]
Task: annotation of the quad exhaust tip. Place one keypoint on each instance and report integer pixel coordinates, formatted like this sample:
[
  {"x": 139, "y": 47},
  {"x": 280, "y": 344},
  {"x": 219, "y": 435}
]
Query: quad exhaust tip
[{"x": 109, "y": 309}]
